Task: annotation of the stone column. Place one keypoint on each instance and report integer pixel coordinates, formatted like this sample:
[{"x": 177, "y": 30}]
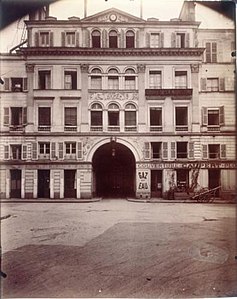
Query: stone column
[
  {"x": 84, "y": 98},
  {"x": 30, "y": 97},
  {"x": 141, "y": 98},
  {"x": 195, "y": 98}
]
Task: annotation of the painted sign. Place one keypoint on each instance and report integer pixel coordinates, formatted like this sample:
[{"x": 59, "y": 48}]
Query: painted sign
[
  {"x": 143, "y": 179},
  {"x": 188, "y": 165}
]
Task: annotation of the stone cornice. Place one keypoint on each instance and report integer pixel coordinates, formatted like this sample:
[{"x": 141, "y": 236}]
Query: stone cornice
[{"x": 54, "y": 51}]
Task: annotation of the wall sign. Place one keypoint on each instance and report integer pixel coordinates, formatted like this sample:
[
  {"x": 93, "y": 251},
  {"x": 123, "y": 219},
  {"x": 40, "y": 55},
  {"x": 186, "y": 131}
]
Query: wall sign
[{"x": 188, "y": 165}]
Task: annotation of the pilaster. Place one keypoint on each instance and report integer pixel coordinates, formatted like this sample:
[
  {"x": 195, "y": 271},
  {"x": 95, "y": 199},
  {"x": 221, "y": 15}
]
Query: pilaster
[
  {"x": 195, "y": 98},
  {"x": 84, "y": 98},
  {"x": 141, "y": 98}
]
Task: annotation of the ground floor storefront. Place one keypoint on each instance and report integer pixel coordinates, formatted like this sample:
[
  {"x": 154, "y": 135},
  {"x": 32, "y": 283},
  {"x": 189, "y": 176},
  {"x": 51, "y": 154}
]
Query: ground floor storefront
[{"x": 115, "y": 178}]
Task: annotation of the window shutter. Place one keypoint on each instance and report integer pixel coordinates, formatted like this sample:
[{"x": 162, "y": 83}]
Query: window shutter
[
  {"x": 162, "y": 40},
  {"x": 187, "y": 40},
  {"x": 208, "y": 52},
  {"x": 173, "y": 40},
  {"x": 222, "y": 116},
  {"x": 51, "y": 39},
  {"x": 191, "y": 150},
  {"x": 53, "y": 150},
  {"x": 6, "y": 152},
  {"x": 214, "y": 52},
  {"x": 24, "y": 152},
  {"x": 79, "y": 150},
  {"x": 6, "y": 83},
  {"x": 87, "y": 38},
  {"x": 173, "y": 150},
  {"x": 221, "y": 84},
  {"x": 25, "y": 84},
  {"x": 223, "y": 151},
  {"x": 204, "y": 151},
  {"x": 204, "y": 116},
  {"x": 165, "y": 150},
  {"x": 148, "y": 36},
  {"x": 36, "y": 39},
  {"x": 77, "y": 39},
  {"x": 60, "y": 151},
  {"x": 24, "y": 116},
  {"x": 203, "y": 84},
  {"x": 63, "y": 36},
  {"x": 34, "y": 151},
  {"x": 147, "y": 151},
  {"x": 6, "y": 120}
]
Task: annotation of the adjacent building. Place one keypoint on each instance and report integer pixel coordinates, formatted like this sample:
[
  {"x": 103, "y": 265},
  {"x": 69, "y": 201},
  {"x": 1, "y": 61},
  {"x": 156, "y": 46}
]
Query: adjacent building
[{"x": 113, "y": 105}]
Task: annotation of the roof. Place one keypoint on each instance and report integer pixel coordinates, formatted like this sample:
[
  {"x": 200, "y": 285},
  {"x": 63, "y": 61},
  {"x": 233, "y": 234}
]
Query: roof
[{"x": 226, "y": 8}]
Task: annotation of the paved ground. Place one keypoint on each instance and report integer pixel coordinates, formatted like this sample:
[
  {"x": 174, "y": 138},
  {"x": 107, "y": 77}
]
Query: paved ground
[{"x": 116, "y": 248}]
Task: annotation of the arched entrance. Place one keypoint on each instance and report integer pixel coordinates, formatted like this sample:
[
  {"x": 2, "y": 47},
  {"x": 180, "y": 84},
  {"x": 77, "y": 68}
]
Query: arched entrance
[{"x": 113, "y": 171}]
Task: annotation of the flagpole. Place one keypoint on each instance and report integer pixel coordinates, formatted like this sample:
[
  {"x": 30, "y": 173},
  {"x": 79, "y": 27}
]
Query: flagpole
[
  {"x": 85, "y": 8},
  {"x": 141, "y": 9}
]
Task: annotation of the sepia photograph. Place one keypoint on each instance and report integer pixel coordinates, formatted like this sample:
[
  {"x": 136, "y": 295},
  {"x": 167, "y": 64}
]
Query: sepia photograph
[{"x": 118, "y": 149}]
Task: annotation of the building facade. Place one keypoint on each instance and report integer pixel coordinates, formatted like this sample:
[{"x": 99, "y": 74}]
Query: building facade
[{"x": 113, "y": 105}]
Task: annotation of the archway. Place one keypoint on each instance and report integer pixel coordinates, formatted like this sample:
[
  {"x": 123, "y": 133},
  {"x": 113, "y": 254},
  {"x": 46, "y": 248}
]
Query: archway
[{"x": 113, "y": 171}]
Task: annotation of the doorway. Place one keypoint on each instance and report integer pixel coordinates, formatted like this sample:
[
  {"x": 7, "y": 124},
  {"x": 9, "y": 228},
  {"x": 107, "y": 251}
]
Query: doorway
[
  {"x": 43, "y": 183},
  {"x": 15, "y": 185},
  {"x": 69, "y": 183},
  {"x": 214, "y": 179},
  {"x": 114, "y": 171},
  {"x": 156, "y": 183}
]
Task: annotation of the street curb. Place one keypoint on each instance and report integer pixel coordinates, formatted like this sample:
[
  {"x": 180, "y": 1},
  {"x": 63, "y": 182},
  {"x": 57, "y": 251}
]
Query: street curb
[
  {"x": 50, "y": 200},
  {"x": 188, "y": 201}
]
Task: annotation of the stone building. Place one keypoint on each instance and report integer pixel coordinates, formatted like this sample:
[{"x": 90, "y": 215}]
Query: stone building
[{"x": 113, "y": 105}]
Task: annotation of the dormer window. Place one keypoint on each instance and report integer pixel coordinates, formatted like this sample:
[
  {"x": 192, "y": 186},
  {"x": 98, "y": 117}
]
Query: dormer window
[
  {"x": 96, "y": 43},
  {"x": 130, "y": 39},
  {"x": 113, "y": 39}
]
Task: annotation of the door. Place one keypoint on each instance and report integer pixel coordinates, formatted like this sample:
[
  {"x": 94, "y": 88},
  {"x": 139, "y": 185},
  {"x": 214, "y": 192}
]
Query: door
[
  {"x": 156, "y": 183},
  {"x": 43, "y": 183},
  {"x": 70, "y": 183},
  {"x": 214, "y": 181},
  {"x": 15, "y": 185}
]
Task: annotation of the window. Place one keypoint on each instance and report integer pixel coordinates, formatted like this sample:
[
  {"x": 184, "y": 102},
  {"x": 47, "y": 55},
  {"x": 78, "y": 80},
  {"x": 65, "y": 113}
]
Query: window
[
  {"x": 180, "y": 79},
  {"x": 214, "y": 151},
  {"x": 70, "y": 80},
  {"x": 130, "y": 39},
  {"x": 70, "y": 119},
  {"x": 212, "y": 84},
  {"x": 155, "y": 119},
  {"x": 15, "y": 152},
  {"x": 155, "y": 79},
  {"x": 70, "y": 39},
  {"x": 44, "y": 79},
  {"x": 96, "y": 39},
  {"x": 180, "y": 40},
  {"x": 15, "y": 117},
  {"x": 44, "y": 118},
  {"x": 155, "y": 40},
  {"x": 96, "y": 117},
  {"x": 113, "y": 117},
  {"x": 182, "y": 179},
  {"x": 113, "y": 79},
  {"x": 181, "y": 118},
  {"x": 156, "y": 150},
  {"x": 17, "y": 84},
  {"x": 44, "y": 150},
  {"x": 130, "y": 118},
  {"x": 44, "y": 39},
  {"x": 71, "y": 149},
  {"x": 113, "y": 39},
  {"x": 130, "y": 80},
  {"x": 182, "y": 150},
  {"x": 96, "y": 79},
  {"x": 213, "y": 118},
  {"x": 211, "y": 52}
]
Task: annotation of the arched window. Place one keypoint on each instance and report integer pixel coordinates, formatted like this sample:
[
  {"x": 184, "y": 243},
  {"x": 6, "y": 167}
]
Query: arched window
[
  {"x": 130, "y": 117},
  {"x": 113, "y": 39},
  {"x": 96, "y": 117},
  {"x": 96, "y": 79},
  {"x": 113, "y": 117},
  {"x": 113, "y": 79},
  {"x": 95, "y": 36},
  {"x": 130, "y": 39},
  {"x": 130, "y": 79}
]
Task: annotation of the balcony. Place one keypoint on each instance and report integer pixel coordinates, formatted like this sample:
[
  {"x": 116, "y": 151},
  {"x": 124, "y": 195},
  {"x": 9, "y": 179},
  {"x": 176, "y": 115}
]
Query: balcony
[
  {"x": 16, "y": 128},
  {"x": 113, "y": 128},
  {"x": 70, "y": 128},
  {"x": 96, "y": 128},
  {"x": 44, "y": 128},
  {"x": 155, "y": 128},
  {"x": 214, "y": 128},
  {"x": 187, "y": 92},
  {"x": 180, "y": 128},
  {"x": 130, "y": 128}
]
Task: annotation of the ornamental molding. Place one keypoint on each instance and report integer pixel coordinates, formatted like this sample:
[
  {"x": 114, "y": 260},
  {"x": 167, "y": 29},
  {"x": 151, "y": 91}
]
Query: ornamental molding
[
  {"x": 149, "y": 52},
  {"x": 141, "y": 68},
  {"x": 195, "y": 68},
  {"x": 30, "y": 68},
  {"x": 84, "y": 68},
  {"x": 113, "y": 96}
]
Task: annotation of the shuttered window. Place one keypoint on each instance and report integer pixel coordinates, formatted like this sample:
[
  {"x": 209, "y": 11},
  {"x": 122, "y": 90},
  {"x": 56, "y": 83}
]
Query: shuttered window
[
  {"x": 211, "y": 52},
  {"x": 147, "y": 151},
  {"x": 79, "y": 150}
]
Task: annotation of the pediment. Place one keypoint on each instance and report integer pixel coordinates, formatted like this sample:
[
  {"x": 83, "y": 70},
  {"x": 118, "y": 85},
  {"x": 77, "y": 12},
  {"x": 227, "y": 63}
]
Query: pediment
[{"x": 112, "y": 15}]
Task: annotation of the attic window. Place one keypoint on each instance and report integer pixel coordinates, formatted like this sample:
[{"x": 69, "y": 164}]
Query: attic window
[
  {"x": 130, "y": 39},
  {"x": 95, "y": 39},
  {"x": 113, "y": 39}
]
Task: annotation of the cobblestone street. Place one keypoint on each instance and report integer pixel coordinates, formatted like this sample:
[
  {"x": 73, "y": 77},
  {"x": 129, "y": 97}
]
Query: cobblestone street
[{"x": 116, "y": 248}]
